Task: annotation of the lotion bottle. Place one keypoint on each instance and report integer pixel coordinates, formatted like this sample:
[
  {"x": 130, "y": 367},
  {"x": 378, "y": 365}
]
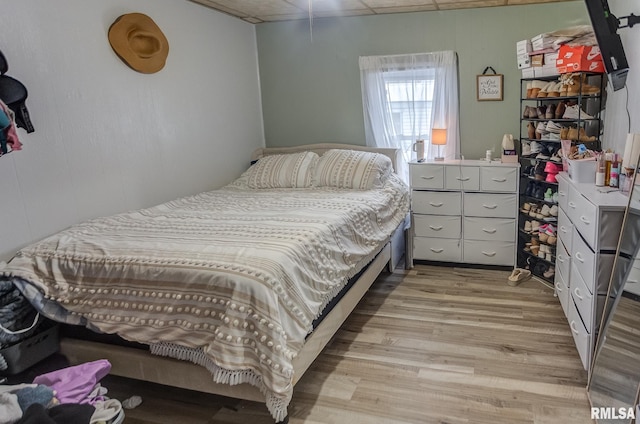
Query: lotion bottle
[{"x": 600, "y": 170}]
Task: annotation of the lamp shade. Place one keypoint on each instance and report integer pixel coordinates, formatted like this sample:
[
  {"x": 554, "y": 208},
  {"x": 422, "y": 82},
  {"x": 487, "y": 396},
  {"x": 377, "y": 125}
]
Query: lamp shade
[
  {"x": 439, "y": 136},
  {"x": 631, "y": 151}
]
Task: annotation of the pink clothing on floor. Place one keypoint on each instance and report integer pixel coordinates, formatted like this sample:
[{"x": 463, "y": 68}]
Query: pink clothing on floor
[{"x": 74, "y": 384}]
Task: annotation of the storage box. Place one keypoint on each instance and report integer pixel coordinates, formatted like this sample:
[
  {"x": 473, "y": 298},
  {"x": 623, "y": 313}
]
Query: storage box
[
  {"x": 524, "y": 61},
  {"x": 528, "y": 73},
  {"x": 582, "y": 171},
  {"x": 541, "y": 41},
  {"x": 579, "y": 58},
  {"x": 523, "y": 47},
  {"x": 537, "y": 60},
  {"x": 550, "y": 58},
  {"x": 28, "y": 352}
]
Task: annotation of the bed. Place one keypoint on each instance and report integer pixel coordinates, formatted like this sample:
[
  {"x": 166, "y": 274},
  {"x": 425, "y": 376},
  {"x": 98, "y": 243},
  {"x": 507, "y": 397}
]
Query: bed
[{"x": 242, "y": 280}]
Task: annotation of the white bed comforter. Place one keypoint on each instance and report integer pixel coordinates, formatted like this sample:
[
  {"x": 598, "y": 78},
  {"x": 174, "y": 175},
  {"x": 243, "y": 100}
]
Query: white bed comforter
[{"x": 230, "y": 279}]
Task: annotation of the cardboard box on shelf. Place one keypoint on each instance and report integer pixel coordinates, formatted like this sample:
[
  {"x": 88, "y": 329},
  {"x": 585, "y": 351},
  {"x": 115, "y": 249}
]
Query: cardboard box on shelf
[
  {"x": 523, "y": 47},
  {"x": 537, "y": 60},
  {"x": 579, "y": 58},
  {"x": 524, "y": 61}
]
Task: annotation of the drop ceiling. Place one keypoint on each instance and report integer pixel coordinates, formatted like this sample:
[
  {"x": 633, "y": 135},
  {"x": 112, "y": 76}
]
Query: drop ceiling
[{"x": 257, "y": 11}]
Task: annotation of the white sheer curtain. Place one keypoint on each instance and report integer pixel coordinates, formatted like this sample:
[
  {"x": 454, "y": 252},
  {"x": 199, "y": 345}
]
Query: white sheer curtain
[{"x": 405, "y": 96}]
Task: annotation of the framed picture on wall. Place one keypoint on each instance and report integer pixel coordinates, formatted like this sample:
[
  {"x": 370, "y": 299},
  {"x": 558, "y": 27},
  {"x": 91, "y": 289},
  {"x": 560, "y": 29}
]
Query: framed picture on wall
[{"x": 489, "y": 87}]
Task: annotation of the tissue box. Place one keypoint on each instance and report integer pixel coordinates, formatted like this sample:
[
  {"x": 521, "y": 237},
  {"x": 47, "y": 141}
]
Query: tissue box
[
  {"x": 582, "y": 171},
  {"x": 579, "y": 58}
]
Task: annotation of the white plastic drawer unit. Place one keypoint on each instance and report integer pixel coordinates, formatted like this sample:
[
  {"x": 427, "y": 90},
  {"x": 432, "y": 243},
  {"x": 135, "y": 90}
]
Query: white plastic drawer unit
[
  {"x": 497, "y": 178},
  {"x": 563, "y": 192},
  {"x": 584, "y": 215},
  {"x": 430, "y": 177},
  {"x": 581, "y": 337},
  {"x": 565, "y": 230},
  {"x": 436, "y": 203},
  {"x": 494, "y": 253},
  {"x": 563, "y": 261},
  {"x": 562, "y": 291},
  {"x": 466, "y": 178},
  {"x": 490, "y": 205}
]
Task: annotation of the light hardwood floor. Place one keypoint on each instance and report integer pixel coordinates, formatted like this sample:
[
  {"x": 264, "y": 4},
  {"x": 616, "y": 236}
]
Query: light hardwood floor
[{"x": 429, "y": 345}]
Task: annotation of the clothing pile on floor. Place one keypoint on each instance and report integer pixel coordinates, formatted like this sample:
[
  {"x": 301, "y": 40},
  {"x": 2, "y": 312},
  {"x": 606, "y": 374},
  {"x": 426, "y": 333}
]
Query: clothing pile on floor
[
  {"x": 18, "y": 319},
  {"x": 70, "y": 395}
]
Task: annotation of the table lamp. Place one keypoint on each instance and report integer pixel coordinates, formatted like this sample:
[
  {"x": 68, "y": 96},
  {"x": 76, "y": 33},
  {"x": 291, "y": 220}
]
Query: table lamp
[{"x": 439, "y": 138}]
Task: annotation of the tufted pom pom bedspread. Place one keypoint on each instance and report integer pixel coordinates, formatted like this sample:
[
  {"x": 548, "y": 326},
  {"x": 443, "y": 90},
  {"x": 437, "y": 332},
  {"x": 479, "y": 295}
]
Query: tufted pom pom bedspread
[{"x": 230, "y": 279}]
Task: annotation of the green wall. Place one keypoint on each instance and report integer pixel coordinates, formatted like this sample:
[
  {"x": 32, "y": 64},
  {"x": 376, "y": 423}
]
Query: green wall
[{"x": 311, "y": 88}]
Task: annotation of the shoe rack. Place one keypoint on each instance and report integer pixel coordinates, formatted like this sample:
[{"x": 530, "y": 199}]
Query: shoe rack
[{"x": 555, "y": 108}]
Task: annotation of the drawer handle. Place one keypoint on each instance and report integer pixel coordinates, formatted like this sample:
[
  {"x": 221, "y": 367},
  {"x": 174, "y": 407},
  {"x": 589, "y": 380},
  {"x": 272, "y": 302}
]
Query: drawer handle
[
  {"x": 561, "y": 193},
  {"x": 499, "y": 180},
  {"x": 577, "y": 293},
  {"x": 434, "y": 250},
  {"x": 490, "y": 254},
  {"x": 436, "y": 205},
  {"x": 430, "y": 177},
  {"x": 585, "y": 220},
  {"x": 558, "y": 289},
  {"x": 560, "y": 258},
  {"x": 632, "y": 281},
  {"x": 572, "y": 205},
  {"x": 438, "y": 228},
  {"x": 573, "y": 327},
  {"x": 563, "y": 229},
  {"x": 579, "y": 257},
  {"x": 491, "y": 231},
  {"x": 489, "y": 206},
  {"x": 463, "y": 179}
]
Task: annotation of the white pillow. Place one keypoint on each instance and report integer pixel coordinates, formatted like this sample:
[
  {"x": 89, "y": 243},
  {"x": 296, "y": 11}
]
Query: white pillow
[
  {"x": 352, "y": 169},
  {"x": 293, "y": 170}
]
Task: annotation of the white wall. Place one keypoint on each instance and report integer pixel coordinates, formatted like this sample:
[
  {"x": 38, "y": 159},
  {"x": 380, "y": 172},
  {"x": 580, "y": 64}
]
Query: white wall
[
  {"x": 109, "y": 139},
  {"x": 617, "y": 122}
]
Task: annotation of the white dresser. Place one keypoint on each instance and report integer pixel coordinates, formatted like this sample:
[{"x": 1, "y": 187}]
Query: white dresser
[
  {"x": 589, "y": 222},
  {"x": 464, "y": 211}
]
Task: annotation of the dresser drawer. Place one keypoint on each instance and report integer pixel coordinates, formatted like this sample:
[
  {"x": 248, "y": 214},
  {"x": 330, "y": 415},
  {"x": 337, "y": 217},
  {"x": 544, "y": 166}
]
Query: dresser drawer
[
  {"x": 563, "y": 192},
  {"x": 583, "y": 299},
  {"x": 583, "y": 215},
  {"x": 495, "y": 178},
  {"x": 466, "y": 178},
  {"x": 440, "y": 226},
  {"x": 565, "y": 230},
  {"x": 436, "y": 202},
  {"x": 427, "y": 176},
  {"x": 562, "y": 291},
  {"x": 581, "y": 338},
  {"x": 494, "y": 253},
  {"x": 563, "y": 262},
  {"x": 490, "y": 229},
  {"x": 490, "y": 205},
  {"x": 594, "y": 268},
  {"x": 437, "y": 249}
]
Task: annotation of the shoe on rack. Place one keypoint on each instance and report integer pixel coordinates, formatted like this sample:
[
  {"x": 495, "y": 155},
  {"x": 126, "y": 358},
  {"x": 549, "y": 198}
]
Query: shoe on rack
[
  {"x": 582, "y": 136},
  {"x": 572, "y": 134},
  {"x": 549, "y": 273},
  {"x": 551, "y": 178},
  {"x": 555, "y": 158},
  {"x": 554, "y": 91},
  {"x": 544, "y": 91},
  {"x": 560, "y": 109},
  {"x": 574, "y": 112},
  {"x": 552, "y": 240},
  {"x": 527, "y": 227},
  {"x": 551, "y": 112},
  {"x": 536, "y": 147},
  {"x": 542, "y": 111},
  {"x": 551, "y": 168},
  {"x": 548, "y": 195},
  {"x": 542, "y": 156},
  {"x": 555, "y": 197},
  {"x": 553, "y": 211},
  {"x": 531, "y": 131},
  {"x": 536, "y": 86},
  {"x": 552, "y": 127},
  {"x": 526, "y": 148},
  {"x": 545, "y": 210},
  {"x": 542, "y": 128}
]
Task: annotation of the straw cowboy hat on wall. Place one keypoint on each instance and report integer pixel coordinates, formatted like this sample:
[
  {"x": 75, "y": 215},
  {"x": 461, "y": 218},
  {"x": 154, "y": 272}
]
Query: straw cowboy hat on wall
[{"x": 139, "y": 42}]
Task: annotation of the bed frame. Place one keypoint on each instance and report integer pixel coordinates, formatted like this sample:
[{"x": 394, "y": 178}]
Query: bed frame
[{"x": 141, "y": 365}]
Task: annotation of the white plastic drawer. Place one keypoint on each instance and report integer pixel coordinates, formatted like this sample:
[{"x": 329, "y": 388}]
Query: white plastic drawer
[
  {"x": 437, "y": 249},
  {"x": 584, "y": 260},
  {"x": 436, "y": 202},
  {"x": 584, "y": 216},
  {"x": 437, "y": 226},
  {"x": 494, "y": 253},
  {"x": 563, "y": 262},
  {"x": 565, "y": 230},
  {"x": 427, "y": 176},
  {"x": 490, "y": 229},
  {"x": 583, "y": 300},
  {"x": 581, "y": 338},
  {"x": 562, "y": 291},
  {"x": 496, "y": 178},
  {"x": 490, "y": 205},
  {"x": 563, "y": 191},
  {"x": 466, "y": 178}
]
